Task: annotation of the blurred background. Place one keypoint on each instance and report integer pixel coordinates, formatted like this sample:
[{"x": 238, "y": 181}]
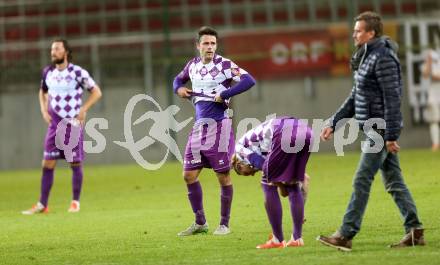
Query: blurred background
[{"x": 298, "y": 51}]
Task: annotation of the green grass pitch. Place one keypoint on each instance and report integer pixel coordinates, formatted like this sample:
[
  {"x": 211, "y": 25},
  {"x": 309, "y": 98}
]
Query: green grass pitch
[{"x": 131, "y": 216}]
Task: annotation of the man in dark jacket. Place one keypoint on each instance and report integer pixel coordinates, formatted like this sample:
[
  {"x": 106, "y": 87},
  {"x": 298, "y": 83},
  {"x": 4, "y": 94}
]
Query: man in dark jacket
[{"x": 376, "y": 95}]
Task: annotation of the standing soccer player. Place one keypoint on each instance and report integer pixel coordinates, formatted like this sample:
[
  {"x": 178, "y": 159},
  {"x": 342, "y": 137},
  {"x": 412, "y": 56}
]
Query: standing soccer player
[
  {"x": 215, "y": 80},
  {"x": 60, "y": 94},
  {"x": 268, "y": 148}
]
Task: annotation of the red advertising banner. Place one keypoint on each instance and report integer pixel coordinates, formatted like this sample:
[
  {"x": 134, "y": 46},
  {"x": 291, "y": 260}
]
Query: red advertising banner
[
  {"x": 281, "y": 54},
  {"x": 295, "y": 53}
]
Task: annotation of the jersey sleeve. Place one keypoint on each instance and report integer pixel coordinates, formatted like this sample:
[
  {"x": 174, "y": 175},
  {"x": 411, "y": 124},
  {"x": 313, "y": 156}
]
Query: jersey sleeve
[
  {"x": 85, "y": 80},
  {"x": 43, "y": 84},
  {"x": 182, "y": 78}
]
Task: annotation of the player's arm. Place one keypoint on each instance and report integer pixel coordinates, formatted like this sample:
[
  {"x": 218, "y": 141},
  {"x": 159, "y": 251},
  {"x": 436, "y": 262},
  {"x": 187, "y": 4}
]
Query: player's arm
[
  {"x": 179, "y": 83},
  {"x": 245, "y": 83},
  {"x": 43, "y": 98},
  {"x": 95, "y": 95}
]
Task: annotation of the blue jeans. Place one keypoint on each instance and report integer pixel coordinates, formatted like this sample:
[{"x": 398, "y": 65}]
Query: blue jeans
[{"x": 389, "y": 166}]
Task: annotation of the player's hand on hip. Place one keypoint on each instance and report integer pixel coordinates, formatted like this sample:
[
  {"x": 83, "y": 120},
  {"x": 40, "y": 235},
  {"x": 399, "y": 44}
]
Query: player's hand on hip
[
  {"x": 46, "y": 116},
  {"x": 392, "y": 147},
  {"x": 326, "y": 133},
  {"x": 218, "y": 99},
  {"x": 184, "y": 92},
  {"x": 81, "y": 117}
]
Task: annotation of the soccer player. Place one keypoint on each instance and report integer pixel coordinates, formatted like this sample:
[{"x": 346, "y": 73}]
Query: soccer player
[
  {"x": 268, "y": 148},
  {"x": 215, "y": 79},
  {"x": 60, "y": 94}
]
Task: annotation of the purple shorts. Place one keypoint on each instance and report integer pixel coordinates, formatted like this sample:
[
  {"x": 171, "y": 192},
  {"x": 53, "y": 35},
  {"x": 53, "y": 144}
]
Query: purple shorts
[
  {"x": 210, "y": 145},
  {"x": 284, "y": 163},
  {"x": 73, "y": 153}
]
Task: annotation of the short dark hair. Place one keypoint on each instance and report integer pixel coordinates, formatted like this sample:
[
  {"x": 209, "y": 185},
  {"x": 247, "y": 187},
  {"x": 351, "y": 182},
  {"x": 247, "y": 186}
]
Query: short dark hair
[
  {"x": 205, "y": 30},
  {"x": 373, "y": 21},
  {"x": 66, "y": 47}
]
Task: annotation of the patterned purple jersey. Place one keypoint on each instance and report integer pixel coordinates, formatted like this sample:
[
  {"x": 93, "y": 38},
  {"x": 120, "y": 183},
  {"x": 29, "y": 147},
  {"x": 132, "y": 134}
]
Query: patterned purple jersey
[
  {"x": 209, "y": 80},
  {"x": 65, "y": 89},
  {"x": 256, "y": 141},
  {"x": 268, "y": 147}
]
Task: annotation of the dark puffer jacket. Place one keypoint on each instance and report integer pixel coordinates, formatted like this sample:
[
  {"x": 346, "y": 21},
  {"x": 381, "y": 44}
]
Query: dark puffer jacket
[{"x": 377, "y": 89}]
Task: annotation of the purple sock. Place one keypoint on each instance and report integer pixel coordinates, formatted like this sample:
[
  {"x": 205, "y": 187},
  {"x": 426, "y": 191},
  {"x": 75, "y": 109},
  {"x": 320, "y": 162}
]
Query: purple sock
[
  {"x": 274, "y": 210},
  {"x": 296, "y": 209},
  {"x": 77, "y": 179},
  {"x": 46, "y": 185},
  {"x": 195, "y": 196},
  {"x": 226, "y": 201}
]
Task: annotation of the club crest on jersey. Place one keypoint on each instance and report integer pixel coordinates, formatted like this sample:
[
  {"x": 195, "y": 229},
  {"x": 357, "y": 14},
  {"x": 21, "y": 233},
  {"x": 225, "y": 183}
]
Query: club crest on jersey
[
  {"x": 68, "y": 79},
  {"x": 58, "y": 78},
  {"x": 203, "y": 71},
  {"x": 235, "y": 72}
]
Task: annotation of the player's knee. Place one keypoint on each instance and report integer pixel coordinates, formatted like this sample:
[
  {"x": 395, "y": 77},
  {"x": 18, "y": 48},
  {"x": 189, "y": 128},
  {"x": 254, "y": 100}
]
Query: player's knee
[
  {"x": 75, "y": 164},
  {"x": 50, "y": 164},
  {"x": 189, "y": 178},
  {"x": 224, "y": 178}
]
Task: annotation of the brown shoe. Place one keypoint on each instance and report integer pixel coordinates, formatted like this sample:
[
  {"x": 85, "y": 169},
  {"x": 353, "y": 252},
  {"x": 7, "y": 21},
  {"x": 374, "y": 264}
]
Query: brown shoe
[
  {"x": 336, "y": 241},
  {"x": 413, "y": 238}
]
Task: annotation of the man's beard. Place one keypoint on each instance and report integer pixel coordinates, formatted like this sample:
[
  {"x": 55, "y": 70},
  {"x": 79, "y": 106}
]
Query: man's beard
[{"x": 58, "y": 60}]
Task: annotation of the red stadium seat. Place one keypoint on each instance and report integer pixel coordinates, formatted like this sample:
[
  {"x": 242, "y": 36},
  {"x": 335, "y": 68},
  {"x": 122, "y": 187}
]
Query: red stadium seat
[
  {"x": 154, "y": 23},
  {"x": 342, "y": 12},
  {"x": 409, "y": 8},
  {"x": 92, "y": 8},
  {"x": 93, "y": 27},
  {"x": 281, "y": 16},
  {"x": 112, "y": 5},
  {"x": 194, "y": 2},
  {"x": 133, "y": 4},
  {"x": 388, "y": 9},
  {"x": 302, "y": 14},
  {"x": 238, "y": 18},
  {"x": 218, "y": 20},
  {"x": 52, "y": 11},
  {"x": 13, "y": 33},
  {"x": 53, "y": 30},
  {"x": 71, "y": 10},
  {"x": 260, "y": 17},
  {"x": 73, "y": 30},
  {"x": 323, "y": 13},
  {"x": 134, "y": 24},
  {"x": 366, "y": 7},
  {"x": 114, "y": 26},
  {"x": 32, "y": 11},
  {"x": 196, "y": 20},
  {"x": 33, "y": 32},
  {"x": 11, "y": 12}
]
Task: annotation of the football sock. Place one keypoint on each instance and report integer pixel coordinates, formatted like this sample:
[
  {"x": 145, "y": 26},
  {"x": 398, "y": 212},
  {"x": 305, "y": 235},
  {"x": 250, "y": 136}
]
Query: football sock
[
  {"x": 195, "y": 196},
  {"x": 296, "y": 209},
  {"x": 46, "y": 185},
  {"x": 226, "y": 201},
  {"x": 434, "y": 130},
  {"x": 77, "y": 179},
  {"x": 274, "y": 210}
]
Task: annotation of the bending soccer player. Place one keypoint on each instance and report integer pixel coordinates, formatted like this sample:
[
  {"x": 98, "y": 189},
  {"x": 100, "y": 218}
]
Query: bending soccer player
[
  {"x": 60, "y": 95},
  {"x": 268, "y": 148},
  {"x": 215, "y": 79}
]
